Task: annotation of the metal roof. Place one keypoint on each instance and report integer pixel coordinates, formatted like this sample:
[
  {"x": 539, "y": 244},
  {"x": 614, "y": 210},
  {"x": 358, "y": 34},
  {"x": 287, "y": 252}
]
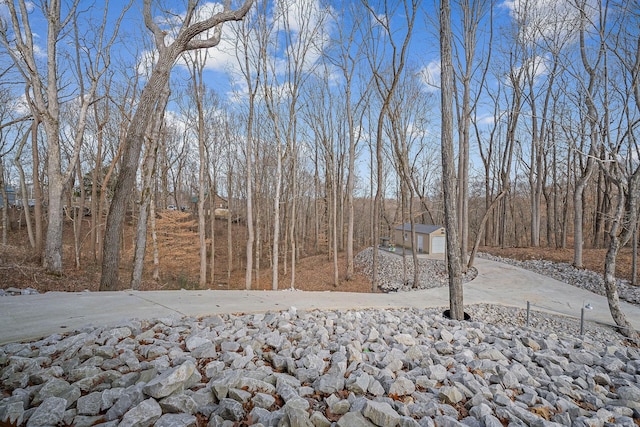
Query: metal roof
[{"x": 420, "y": 228}]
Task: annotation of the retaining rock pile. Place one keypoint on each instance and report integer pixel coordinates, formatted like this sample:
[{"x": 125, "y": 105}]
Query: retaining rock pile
[
  {"x": 17, "y": 291},
  {"x": 353, "y": 368},
  {"x": 567, "y": 273},
  {"x": 396, "y": 274}
]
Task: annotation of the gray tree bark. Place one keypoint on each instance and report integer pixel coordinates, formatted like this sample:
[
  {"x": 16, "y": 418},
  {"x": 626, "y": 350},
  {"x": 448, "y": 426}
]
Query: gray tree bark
[
  {"x": 146, "y": 195},
  {"x": 149, "y": 101},
  {"x": 456, "y": 303}
]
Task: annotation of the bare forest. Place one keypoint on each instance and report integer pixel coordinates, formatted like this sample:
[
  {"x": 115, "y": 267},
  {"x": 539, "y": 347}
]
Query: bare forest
[{"x": 261, "y": 144}]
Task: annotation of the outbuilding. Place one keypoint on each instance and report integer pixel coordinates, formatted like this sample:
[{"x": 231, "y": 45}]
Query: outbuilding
[{"x": 430, "y": 239}]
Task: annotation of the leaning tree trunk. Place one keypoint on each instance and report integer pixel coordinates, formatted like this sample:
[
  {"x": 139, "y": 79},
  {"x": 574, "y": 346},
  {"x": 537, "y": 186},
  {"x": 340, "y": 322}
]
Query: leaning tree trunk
[
  {"x": 623, "y": 223},
  {"x": 146, "y": 196},
  {"x": 136, "y": 128},
  {"x": 128, "y": 171},
  {"x": 483, "y": 224},
  {"x": 610, "y": 284},
  {"x": 611, "y": 289},
  {"x": 154, "y": 239}
]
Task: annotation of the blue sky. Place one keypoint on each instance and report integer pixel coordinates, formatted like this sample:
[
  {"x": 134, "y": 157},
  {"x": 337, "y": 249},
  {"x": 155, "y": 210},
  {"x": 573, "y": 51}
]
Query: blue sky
[
  {"x": 222, "y": 68},
  {"x": 223, "y": 74}
]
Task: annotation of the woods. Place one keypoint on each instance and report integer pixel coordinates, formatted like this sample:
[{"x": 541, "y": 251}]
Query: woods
[{"x": 319, "y": 126}]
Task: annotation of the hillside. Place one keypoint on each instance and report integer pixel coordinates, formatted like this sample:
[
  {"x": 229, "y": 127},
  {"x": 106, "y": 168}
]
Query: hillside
[{"x": 179, "y": 262}]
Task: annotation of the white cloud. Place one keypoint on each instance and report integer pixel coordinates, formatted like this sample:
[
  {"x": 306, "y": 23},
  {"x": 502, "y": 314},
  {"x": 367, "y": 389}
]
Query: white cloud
[
  {"x": 146, "y": 62},
  {"x": 487, "y": 120},
  {"x": 299, "y": 32},
  {"x": 308, "y": 23},
  {"x": 535, "y": 68},
  {"x": 545, "y": 19},
  {"x": 430, "y": 76},
  {"x": 20, "y": 106}
]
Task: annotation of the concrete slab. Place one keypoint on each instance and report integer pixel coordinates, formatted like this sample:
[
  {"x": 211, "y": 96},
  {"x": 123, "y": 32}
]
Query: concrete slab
[{"x": 29, "y": 317}]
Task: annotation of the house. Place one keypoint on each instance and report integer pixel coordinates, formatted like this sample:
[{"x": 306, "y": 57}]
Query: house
[
  {"x": 11, "y": 197},
  {"x": 220, "y": 202},
  {"x": 430, "y": 239}
]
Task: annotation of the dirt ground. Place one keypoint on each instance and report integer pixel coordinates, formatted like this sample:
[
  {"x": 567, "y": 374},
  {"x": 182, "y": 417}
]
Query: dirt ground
[{"x": 179, "y": 262}]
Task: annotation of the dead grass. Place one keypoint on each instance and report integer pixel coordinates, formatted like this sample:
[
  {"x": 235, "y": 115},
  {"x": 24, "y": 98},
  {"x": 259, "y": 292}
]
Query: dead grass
[{"x": 179, "y": 262}]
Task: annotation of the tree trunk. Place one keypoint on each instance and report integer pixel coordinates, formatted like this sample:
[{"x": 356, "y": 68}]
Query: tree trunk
[
  {"x": 95, "y": 180},
  {"x": 214, "y": 191},
  {"x": 103, "y": 208},
  {"x": 148, "y": 102},
  {"x": 249, "y": 189},
  {"x": 634, "y": 256},
  {"x": 456, "y": 310},
  {"x": 414, "y": 252},
  {"x": 292, "y": 229},
  {"x": 146, "y": 196},
  {"x": 276, "y": 218},
  {"x": 593, "y": 123},
  {"x": 52, "y": 260},
  {"x": 485, "y": 217},
  {"x": 154, "y": 239},
  {"x": 578, "y": 215},
  {"x": 229, "y": 229},
  {"x": 610, "y": 283},
  {"x": 23, "y": 190},
  {"x": 5, "y": 206},
  {"x": 350, "y": 186},
  {"x": 334, "y": 220},
  {"x": 78, "y": 217},
  {"x": 37, "y": 189},
  {"x": 203, "y": 163}
]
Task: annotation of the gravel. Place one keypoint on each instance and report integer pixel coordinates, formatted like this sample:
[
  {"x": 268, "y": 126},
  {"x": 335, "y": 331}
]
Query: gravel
[
  {"x": 395, "y": 273},
  {"x": 396, "y": 367}
]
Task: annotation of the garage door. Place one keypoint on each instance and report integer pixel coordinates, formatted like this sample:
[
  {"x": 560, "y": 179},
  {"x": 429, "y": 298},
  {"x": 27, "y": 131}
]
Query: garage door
[{"x": 438, "y": 244}]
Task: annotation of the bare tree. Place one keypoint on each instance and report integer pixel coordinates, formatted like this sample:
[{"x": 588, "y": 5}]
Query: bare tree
[
  {"x": 386, "y": 76},
  {"x": 456, "y": 310},
  {"x": 589, "y": 92},
  {"x": 9, "y": 122},
  {"x": 407, "y": 125},
  {"x": 469, "y": 64},
  {"x": 622, "y": 163},
  {"x": 185, "y": 38},
  {"x": 196, "y": 62},
  {"x": 45, "y": 96},
  {"x": 346, "y": 56},
  {"x": 23, "y": 188},
  {"x": 322, "y": 113},
  {"x": 249, "y": 40},
  {"x": 146, "y": 193}
]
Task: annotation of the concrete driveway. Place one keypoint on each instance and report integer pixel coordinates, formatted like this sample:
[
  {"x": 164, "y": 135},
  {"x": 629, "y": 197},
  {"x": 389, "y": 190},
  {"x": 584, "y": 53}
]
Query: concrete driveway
[{"x": 29, "y": 317}]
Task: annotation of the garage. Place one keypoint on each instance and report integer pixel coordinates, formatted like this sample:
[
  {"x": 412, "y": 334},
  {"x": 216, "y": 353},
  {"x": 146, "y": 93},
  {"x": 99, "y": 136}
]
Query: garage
[
  {"x": 438, "y": 244},
  {"x": 430, "y": 239}
]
